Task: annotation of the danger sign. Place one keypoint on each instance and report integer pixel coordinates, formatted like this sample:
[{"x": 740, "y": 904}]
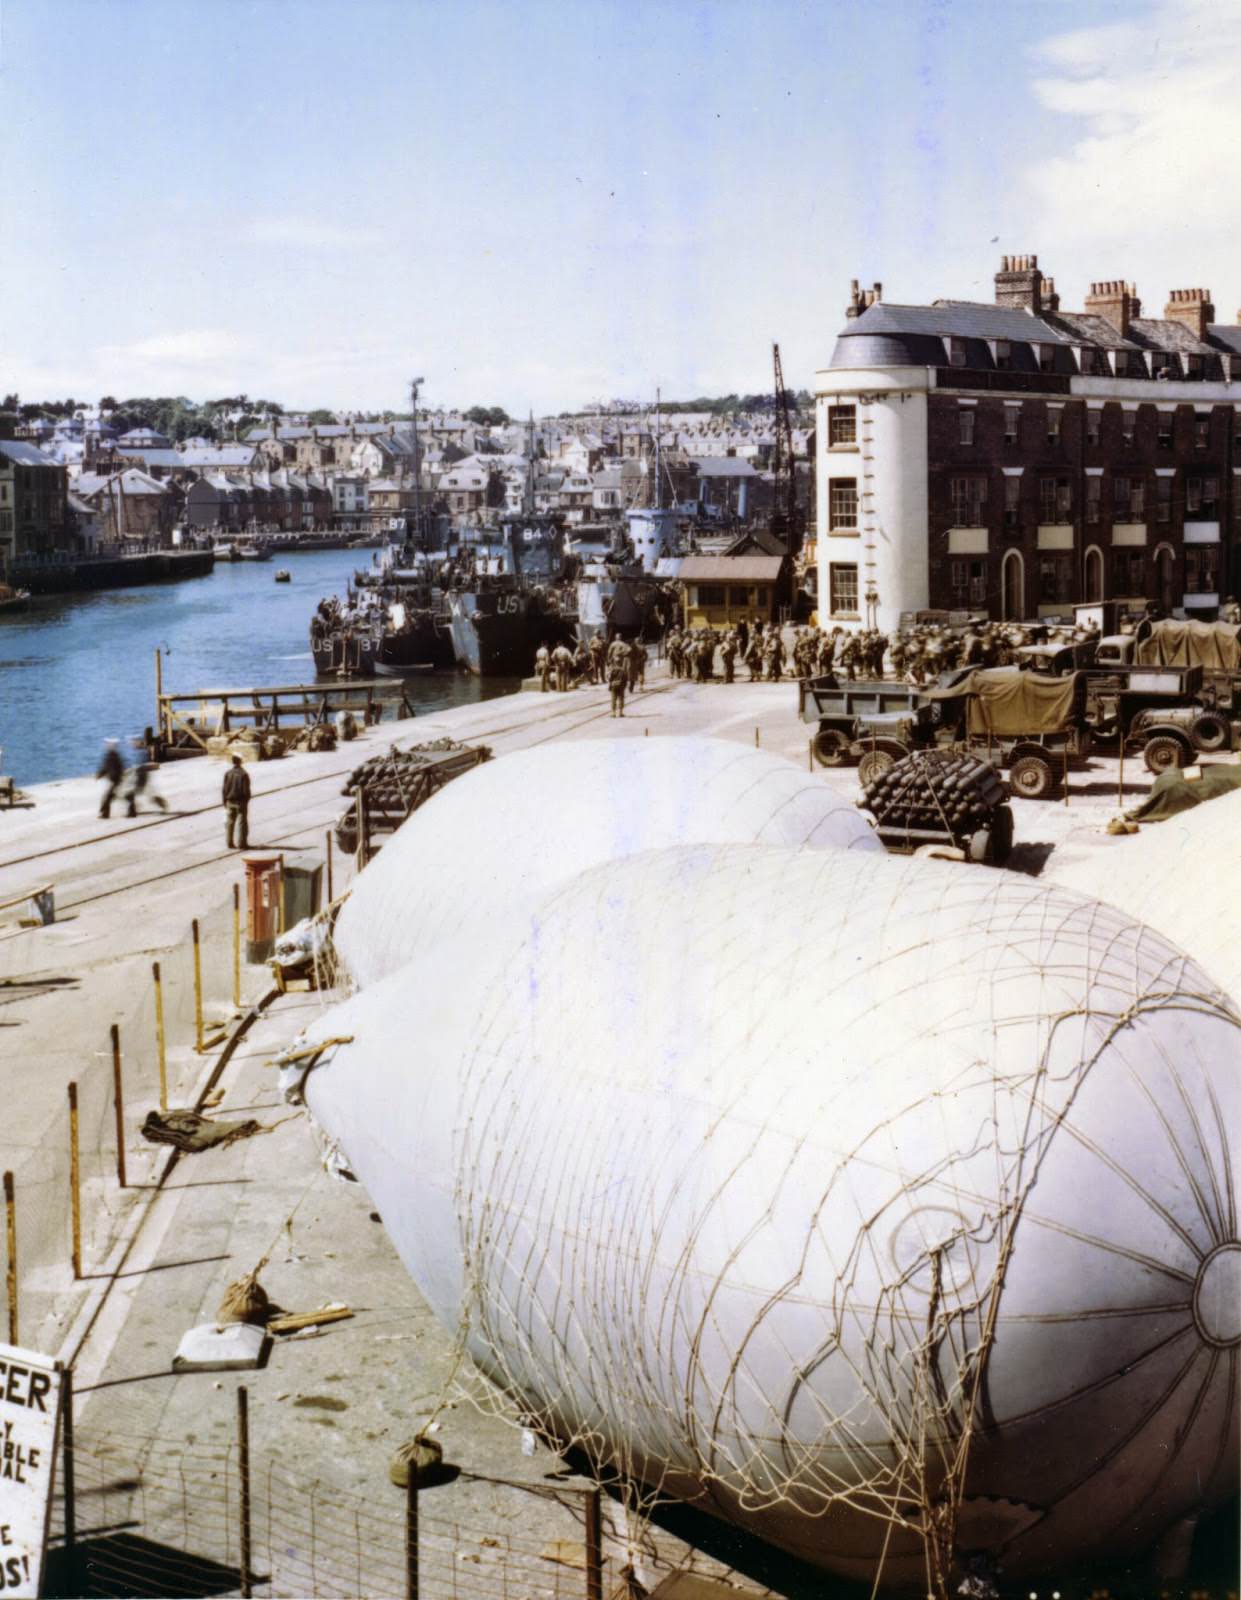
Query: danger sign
[{"x": 29, "y": 1422}]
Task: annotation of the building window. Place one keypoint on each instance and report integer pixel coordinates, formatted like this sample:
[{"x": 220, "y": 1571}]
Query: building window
[
  {"x": 1046, "y": 358},
  {"x": 1163, "y": 499},
  {"x": 1055, "y": 500},
  {"x": 1128, "y": 573},
  {"x": 1012, "y": 421},
  {"x": 842, "y": 581},
  {"x": 969, "y": 498},
  {"x": 1128, "y": 424},
  {"x": 965, "y": 424},
  {"x": 1128, "y": 498},
  {"x": 842, "y": 503},
  {"x": 709, "y": 594},
  {"x": 1163, "y": 431},
  {"x": 1012, "y": 501},
  {"x": 1094, "y": 420},
  {"x": 1202, "y": 432},
  {"x": 1201, "y": 568},
  {"x": 1094, "y": 498},
  {"x": 841, "y": 425},
  {"x": 1003, "y": 354},
  {"x": 956, "y": 352},
  {"x": 1055, "y": 578},
  {"x": 968, "y": 580},
  {"x": 1193, "y": 366},
  {"x": 1054, "y": 419},
  {"x": 1202, "y": 498}
]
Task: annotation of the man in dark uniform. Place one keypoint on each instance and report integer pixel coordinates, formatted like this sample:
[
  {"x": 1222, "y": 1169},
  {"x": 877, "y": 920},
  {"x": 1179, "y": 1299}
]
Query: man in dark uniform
[
  {"x": 237, "y": 804},
  {"x": 618, "y": 674}
]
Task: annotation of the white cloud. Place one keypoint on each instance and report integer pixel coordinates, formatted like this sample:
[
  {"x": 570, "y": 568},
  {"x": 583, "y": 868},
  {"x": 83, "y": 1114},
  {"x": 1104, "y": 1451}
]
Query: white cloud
[
  {"x": 1147, "y": 188},
  {"x": 193, "y": 347},
  {"x": 311, "y": 233}
]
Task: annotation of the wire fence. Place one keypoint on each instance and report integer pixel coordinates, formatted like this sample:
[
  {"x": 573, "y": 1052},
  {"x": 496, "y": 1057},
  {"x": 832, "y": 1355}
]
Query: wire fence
[
  {"x": 151, "y": 1517},
  {"x": 152, "y": 1023}
]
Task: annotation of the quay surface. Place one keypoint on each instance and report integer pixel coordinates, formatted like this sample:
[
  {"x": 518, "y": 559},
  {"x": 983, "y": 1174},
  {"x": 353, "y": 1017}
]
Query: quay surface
[{"x": 327, "y": 1410}]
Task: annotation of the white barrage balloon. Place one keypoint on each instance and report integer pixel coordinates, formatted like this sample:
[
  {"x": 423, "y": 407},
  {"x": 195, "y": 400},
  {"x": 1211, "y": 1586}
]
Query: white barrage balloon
[
  {"x": 1179, "y": 876},
  {"x": 508, "y": 833},
  {"x": 769, "y": 1175}
]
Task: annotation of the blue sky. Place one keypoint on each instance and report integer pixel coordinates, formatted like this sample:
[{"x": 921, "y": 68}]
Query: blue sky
[{"x": 546, "y": 203}]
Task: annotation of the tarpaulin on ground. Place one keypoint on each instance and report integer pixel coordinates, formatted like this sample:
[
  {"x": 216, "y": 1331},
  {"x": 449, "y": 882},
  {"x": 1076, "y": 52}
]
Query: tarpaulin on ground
[
  {"x": 1172, "y": 792},
  {"x": 1213, "y": 646},
  {"x": 1006, "y": 701}
]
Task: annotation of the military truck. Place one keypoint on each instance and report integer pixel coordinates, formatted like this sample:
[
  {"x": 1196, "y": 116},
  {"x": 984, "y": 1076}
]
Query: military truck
[{"x": 1034, "y": 724}]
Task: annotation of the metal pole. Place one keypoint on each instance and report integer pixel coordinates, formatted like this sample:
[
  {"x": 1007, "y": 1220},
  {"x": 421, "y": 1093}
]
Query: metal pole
[
  {"x": 75, "y": 1181},
  {"x": 66, "y": 1458},
  {"x": 10, "y": 1234},
  {"x": 237, "y": 947},
  {"x": 756, "y": 738},
  {"x": 411, "y": 1532},
  {"x": 119, "y": 1103},
  {"x": 594, "y": 1544},
  {"x": 810, "y": 755},
  {"x": 1066, "y": 775},
  {"x": 361, "y": 810},
  {"x": 1120, "y": 776},
  {"x": 160, "y": 1043},
  {"x": 198, "y": 989},
  {"x": 243, "y": 1467},
  {"x": 330, "y": 895}
]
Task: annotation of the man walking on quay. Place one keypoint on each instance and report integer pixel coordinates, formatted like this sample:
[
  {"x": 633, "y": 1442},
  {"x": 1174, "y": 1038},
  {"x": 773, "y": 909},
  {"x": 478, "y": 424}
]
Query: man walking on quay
[
  {"x": 618, "y": 674},
  {"x": 237, "y": 804},
  {"x": 111, "y": 768}
]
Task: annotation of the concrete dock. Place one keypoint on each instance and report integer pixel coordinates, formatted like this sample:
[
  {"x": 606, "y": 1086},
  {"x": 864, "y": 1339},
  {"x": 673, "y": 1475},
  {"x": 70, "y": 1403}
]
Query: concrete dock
[{"x": 157, "y": 1450}]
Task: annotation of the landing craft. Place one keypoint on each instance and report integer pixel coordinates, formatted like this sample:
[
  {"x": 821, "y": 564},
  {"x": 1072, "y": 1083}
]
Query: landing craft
[{"x": 886, "y": 1209}]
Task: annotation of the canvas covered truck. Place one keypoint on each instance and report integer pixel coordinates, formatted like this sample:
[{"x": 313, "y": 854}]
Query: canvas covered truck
[
  {"x": 1199, "y": 713},
  {"x": 1035, "y": 725}
]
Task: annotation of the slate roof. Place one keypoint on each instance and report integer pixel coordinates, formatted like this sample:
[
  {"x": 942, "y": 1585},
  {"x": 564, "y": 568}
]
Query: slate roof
[
  {"x": 151, "y": 457},
  {"x": 1225, "y": 338},
  {"x": 965, "y": 320},
  {"x": 224, "y": 455},
  {"x": 725, "y": 467},
  {"x": 23, "y": 454},
  {"x": 730, "y": 569}
]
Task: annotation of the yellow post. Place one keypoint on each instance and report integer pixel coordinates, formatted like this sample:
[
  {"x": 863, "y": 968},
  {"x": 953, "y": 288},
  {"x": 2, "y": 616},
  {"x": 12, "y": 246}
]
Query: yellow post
[
  {"x": 280, "y": 926},
  {"x": 756, "y": 738},
  {"x": 330, "y": 895},
  {"x": 10, "y": 1231},
  {"x": 1066, "y": 775},
  {"x": 75, "y": 1181},
  {"x": 159, "y": 694},
  {"x": 198, "y": 990},
  {"x": 1120, "y": 776},
  {"x": 237, "y": 946},
  {"x": 160, "y": 1044},
  {"x": 119, "y": 1104}
]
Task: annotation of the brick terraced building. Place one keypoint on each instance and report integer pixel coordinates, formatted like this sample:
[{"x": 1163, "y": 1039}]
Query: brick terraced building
[{"x": 1015, "y": 459}]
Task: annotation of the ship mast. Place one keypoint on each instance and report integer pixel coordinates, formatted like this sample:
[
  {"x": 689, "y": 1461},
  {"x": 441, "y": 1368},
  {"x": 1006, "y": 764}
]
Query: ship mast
[
  {"x": 659, "y": 482},
  {"x": 415, "y": 384},
  {"x": 528, "y": 506}
]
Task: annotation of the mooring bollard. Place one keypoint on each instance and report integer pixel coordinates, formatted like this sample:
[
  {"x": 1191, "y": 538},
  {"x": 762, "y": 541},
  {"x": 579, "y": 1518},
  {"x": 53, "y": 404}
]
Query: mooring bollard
[
  {"x": 198, "y": 989},
  {"x": 243, "y": 1469},
  {"x": 119, "y": 1103},
  {"x": 594, "y": 1544},
  {"x": 75, "y": 1181},
  {"x": 10, "y": 1236},
  {"x": 160, "y": 1043}
]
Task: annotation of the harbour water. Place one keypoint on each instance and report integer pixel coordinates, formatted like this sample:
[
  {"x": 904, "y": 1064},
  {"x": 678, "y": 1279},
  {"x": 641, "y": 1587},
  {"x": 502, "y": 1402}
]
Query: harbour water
[{"x": 77, "y": 669}]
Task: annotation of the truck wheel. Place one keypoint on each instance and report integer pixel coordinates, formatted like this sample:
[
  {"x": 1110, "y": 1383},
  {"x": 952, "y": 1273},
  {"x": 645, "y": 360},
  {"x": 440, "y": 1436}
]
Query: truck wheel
[
  {"x": 872, "y": 764},
  {"x": 1162, "y": 752},
  {"x": 1210, "y": 731},
  {"x": 1032, "y": 777},
  {"x": 831, "y": 748}
]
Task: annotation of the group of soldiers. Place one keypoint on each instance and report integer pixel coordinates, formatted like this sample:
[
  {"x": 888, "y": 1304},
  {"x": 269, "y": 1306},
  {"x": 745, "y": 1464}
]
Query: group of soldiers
[
  {"x": 692, "y": 652},
  {"x": 621, "y": 665}
]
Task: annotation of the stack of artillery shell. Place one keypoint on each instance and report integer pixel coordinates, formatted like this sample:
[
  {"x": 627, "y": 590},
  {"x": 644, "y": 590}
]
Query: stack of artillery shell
[{"x": 939, "y": 790}]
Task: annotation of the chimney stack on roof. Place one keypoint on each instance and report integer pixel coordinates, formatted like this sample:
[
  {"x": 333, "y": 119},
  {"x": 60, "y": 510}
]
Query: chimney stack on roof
[
  {"x": 1116, "y": 302},
  {"x": 862, "y": 299},
  {"x": 1019, "y": 284},
  {"x": 1051, "y": 300},
  {"x": 1192, "y": 308}
]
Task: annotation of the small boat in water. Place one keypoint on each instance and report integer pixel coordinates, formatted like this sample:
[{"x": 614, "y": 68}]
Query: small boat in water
[
  {"x": 252, "y": 550},
  {"x": 12, "y": 599},
  {"x": 283, "y": 575}
]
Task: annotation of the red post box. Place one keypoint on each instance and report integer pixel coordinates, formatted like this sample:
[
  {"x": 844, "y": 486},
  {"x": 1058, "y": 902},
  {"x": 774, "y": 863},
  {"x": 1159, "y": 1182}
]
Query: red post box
[{"x": 263, "y": 892}]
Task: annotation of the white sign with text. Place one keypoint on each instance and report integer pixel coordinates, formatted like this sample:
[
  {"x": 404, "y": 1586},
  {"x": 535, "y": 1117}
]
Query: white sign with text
[{"x": 29, "y": 1416}]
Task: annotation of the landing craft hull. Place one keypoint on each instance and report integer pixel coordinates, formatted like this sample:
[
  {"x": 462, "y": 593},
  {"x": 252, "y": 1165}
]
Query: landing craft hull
[
  {"x": 496, "y": 634},
  {"x": 782, "y": 1268}
]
